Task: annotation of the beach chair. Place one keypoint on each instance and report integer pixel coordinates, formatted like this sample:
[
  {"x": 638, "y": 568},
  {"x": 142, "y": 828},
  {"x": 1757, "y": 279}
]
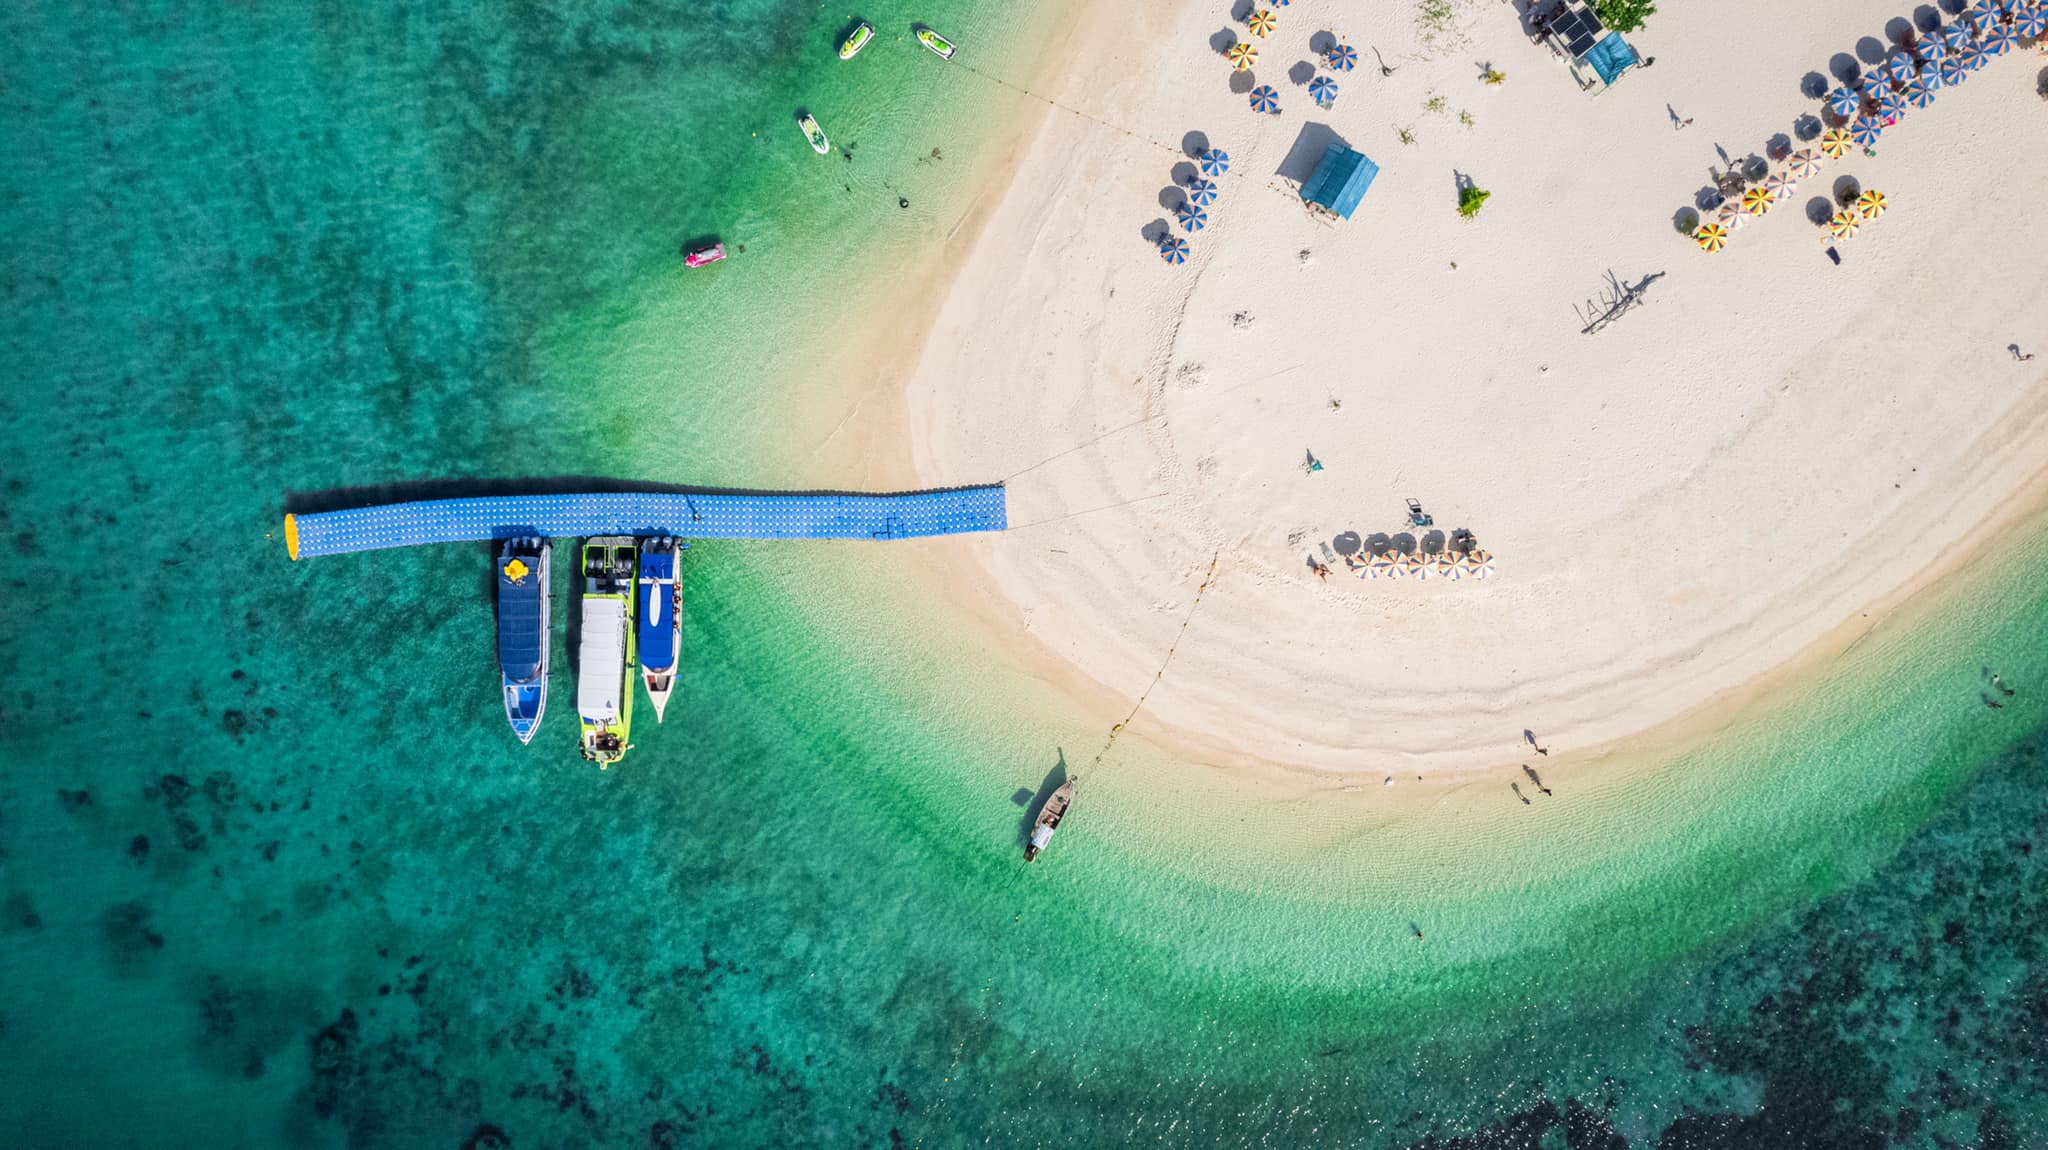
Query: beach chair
[{"x": 1417, "y": 517}]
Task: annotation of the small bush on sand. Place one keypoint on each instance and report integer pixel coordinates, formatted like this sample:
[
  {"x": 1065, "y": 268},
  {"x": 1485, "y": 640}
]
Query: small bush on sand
[
  {"x": 1405, "y": 135},
  {"x": 1439, "y": 26},
  {"x": 1624, "y": 15},
  {"x": 1470, "y": 200},
  {"x": 1495, "y": 76}
]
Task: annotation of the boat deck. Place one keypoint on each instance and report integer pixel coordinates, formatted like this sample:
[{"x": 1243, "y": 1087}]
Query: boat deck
[{"x": 716, "y": 515}]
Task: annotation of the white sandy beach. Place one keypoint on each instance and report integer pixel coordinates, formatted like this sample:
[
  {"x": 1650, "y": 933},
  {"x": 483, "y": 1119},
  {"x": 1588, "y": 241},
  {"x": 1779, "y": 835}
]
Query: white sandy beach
[{"x": 1731, "y": 475}]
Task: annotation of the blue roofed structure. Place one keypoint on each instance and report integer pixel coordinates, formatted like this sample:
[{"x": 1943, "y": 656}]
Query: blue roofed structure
[
  {"x": 521, "y": 616},
  {"x": 1611, "y": 57},
  {"x": 1340, "y": 181}
]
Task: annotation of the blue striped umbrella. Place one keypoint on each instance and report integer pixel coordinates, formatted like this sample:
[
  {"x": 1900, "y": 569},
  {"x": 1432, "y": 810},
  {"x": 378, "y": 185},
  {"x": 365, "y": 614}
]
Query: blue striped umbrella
[
  {"x": 1920, "y": 93},
  {"x": 1343, "y": 58},
  {"x": 1900, "y": 66},
  {"x": 1954, "y": 71},
  {"x": 1202, "y": 191},
  {"x": 1192, "y": 218},
  {"x": 1265, "y": 99},
  {"x": 1864, "y": 131},
  {"x": 1844, "y": 101},
  {"x": 1323, "y": 90},
  {"x": 1875, "y": 83},
  {"x": 1999, "y": 40},
  {"x": 1981, "y": 20},
  {"x": 2031, "y": 21},
  {"x": 1214, "y": 163},
  {"x": 1932, "y": 48},
  {"x": 1974, "y": 58},
  {"x": 1890, "y": 103},
  {"x": 1957, "y": 37},
  {"x": 1173, "y": 250}
]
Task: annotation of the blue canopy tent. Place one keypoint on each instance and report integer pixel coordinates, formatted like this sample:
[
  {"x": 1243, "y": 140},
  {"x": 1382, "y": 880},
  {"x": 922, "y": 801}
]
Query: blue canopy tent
[
  {"x": 1611, "y": 57},
  {"x": 1340, "y": 181}
]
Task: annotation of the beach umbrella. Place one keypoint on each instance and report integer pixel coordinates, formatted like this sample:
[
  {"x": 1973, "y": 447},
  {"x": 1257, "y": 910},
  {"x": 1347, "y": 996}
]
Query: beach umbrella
[
  {"x": 1834, "y": 143},
  {"x": 1932, "y": 48},
  {"x": 1173, "y": 250},
  {"x": 1757, "y": 200},
  {"x": 1478, "y": 564},
  {"x": 1323, "y": 90},
  {"x": 1901, "y": 67},
  {"x": 1343, "y": 58},
  {"x": 1409, "y": 565},
  {"x": 1866, "y": 131},
  {"x": 1844, "y": 101},
  {"x": 1803, "y": 164},
  {"x": 1954, "y": 71},
  {"x": 1443, "y": 566},
  {"x": 1419, "y": 567},
  {"x": 1730, "y": 216},
  {"x": 1711, "y": 237},
  {"x": 2031, "y": 21},
  {"x": 1192, "y": 218},
  {"x": 1383, "y": 567},
  {"x": 1201, "y": 191},
  {"x": 1262, "y": 22},
  {"x": 1983, "y": 18},
  {"x": 1972, "y": 58},
  {"x": 1781, "y": 186},
  {"x": 1265, "y": 99},
  {"x": 1844, "y": 225},
  {"x": 1870, "y": 205},
  {"x": 1890, "y": 103},
  {"x": 1214, "y": 163},
  {"x": 1242, "y": 56},
  {"x": 1957, "y": 37},
  {"x": 1998, "y": 40},
  {"x": 1920, "y": 93}
]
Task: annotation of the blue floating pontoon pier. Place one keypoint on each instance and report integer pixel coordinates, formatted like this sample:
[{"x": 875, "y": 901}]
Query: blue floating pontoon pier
[{"x": 709, "y": 515}]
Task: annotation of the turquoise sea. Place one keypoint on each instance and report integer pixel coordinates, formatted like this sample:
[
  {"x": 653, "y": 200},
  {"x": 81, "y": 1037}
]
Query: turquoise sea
[{"x": 274, "y": 873}]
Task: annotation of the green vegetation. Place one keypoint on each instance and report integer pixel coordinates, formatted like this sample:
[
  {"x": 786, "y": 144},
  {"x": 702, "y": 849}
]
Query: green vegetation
[
  {"x": 1470, "y": 200},
  {"x": 1624, "y": 15},
  {"x": 1405, "y": 135},
  {"x": 1465, "y": 118},
  {"x": 1438, "y": 26},
  {"x": 1494, "y": 75},
  {"x": 1435, "y": 104}
]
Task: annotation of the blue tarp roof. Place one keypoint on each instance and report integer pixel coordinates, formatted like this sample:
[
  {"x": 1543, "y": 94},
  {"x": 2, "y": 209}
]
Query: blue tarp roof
[
  {"x": 657, "y": 619},
  {"x": 1611, "y": 57},
  {"x": 519, "y": 633},
  {"x": 1340, "y": 180}
]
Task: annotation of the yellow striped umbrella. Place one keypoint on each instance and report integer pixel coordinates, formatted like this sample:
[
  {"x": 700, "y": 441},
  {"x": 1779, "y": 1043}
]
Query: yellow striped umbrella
[
  {"x": 1408, "y": 565},
  {"x": 1844, "y": 225},
  {"x": 1263, "y": 22},
  {"x": 1443, "y": 566},
  {"x": 1479, "y": 564},
  {"x": 1711, "y": 237},
  {"x": 1757, "y": 200},
  {"x": 1243, "y": 56},
  {"x": 1835, "y": 143},
  {"x": 1419, "y": 567},
  {"x": 1381, "y": 567},
  {"x": 1870, "y": 205}
]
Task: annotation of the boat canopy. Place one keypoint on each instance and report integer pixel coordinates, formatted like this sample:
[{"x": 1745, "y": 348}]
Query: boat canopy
[
  {"x": 657, "y": 609},
  {"x": 521, "y": 641},
  {"x": 601, "y": 659},
  {"x": 1340, "y": 181}
]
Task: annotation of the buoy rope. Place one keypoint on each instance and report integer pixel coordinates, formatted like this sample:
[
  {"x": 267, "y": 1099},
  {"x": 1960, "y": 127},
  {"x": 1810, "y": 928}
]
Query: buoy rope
[{"x": 1208, "y": 581}]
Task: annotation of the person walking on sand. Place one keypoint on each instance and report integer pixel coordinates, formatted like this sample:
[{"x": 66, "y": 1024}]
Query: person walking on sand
[{"x": 2016, "y": 355}]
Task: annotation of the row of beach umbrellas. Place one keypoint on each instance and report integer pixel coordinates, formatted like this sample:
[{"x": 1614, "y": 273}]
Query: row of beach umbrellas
[
  {"x": 1475, "y": 564},
  {"x": 1194, "y": 215}
]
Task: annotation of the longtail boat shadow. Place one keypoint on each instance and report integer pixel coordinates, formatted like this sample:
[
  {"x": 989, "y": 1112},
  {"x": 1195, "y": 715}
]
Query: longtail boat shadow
[{"x": 1054, "y": 779}]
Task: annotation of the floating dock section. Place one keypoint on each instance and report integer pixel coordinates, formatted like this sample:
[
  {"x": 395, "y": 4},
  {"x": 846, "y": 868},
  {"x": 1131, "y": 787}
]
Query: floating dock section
[{"x": 710, "y": 515}]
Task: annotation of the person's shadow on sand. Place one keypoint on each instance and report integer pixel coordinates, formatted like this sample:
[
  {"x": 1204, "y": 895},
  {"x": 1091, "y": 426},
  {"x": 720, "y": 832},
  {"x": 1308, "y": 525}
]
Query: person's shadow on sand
[{"x": 1035, "y": 802}]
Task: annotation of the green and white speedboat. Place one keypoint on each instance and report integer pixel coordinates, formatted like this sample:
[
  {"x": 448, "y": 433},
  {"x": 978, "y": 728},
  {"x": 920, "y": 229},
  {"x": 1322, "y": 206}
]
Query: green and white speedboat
[
  {"x": 813, "y": 132},
  {"x": 936, "y": 43},
  {"x": 605, "y": 652},
  {"x": 856, "y": 40}
]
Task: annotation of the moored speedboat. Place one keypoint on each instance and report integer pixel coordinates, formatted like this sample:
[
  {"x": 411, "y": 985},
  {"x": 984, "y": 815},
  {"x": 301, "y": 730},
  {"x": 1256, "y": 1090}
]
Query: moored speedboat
[
  {"x": 813, "y": 132},
  {"x": 1049, "y": 819},
  {"x": 698, "y": 257},
  {"x": 856, "y": 40},
  {"x": 604, "y": 652},
  {"x": 936, "y": 43},
  {"x": 659, "y": 601},
  {"x": 523, "y": 632}
]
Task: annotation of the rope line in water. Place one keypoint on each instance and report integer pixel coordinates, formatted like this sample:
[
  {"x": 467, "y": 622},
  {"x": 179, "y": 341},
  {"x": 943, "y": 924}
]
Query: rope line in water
[{"x": 1208, "y": 581}]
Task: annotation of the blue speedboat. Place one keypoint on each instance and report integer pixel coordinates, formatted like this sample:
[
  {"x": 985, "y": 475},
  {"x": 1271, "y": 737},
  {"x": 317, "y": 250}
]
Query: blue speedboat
[
  {"x": 660, "y": 595},
  {"x": 523, "y": 632}
]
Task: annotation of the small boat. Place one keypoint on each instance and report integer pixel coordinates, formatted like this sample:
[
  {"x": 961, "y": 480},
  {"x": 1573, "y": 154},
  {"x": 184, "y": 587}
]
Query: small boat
[
  {"x": 523, "y": 632},
  {"x": 604, "y": 653},
  {"x": 1049, "y": 819},
  {"x": 660, "y": 603},
  {"x": 935, "y": 42},
  {"x": 698, "y": 257},
  {"x": 813, "y": 133},
  {"x": 855, "y": 41}
]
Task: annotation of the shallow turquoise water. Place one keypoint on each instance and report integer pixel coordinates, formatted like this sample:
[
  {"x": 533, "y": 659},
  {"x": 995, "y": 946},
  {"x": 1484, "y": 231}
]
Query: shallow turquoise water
[{"x": 275, "y": 874}]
